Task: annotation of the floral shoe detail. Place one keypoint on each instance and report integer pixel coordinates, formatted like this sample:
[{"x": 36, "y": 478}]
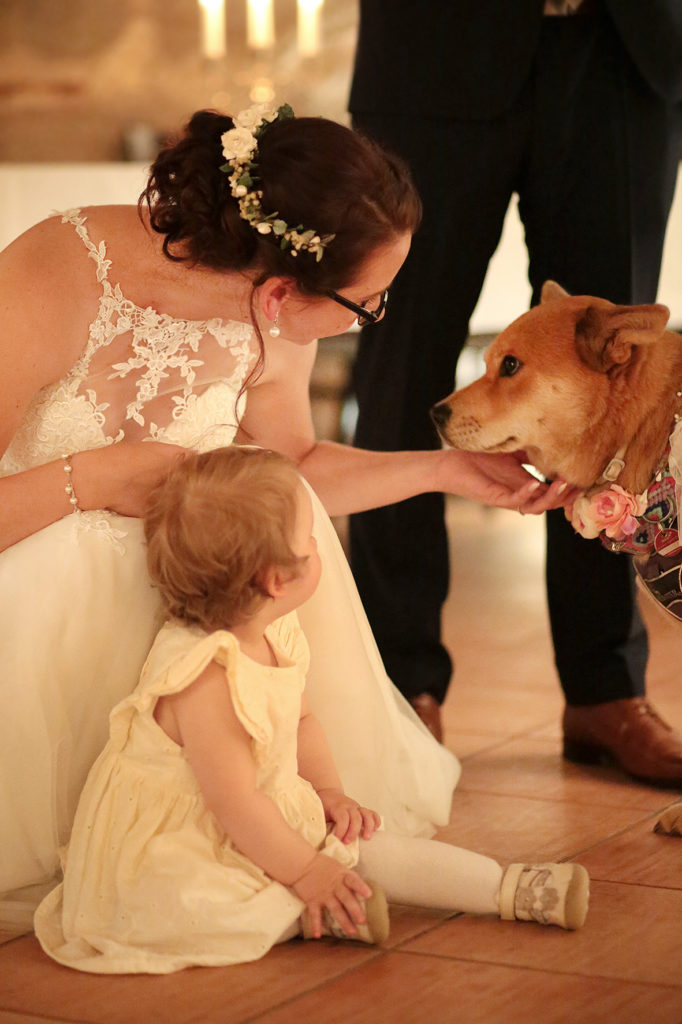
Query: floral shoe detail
[
  {"x": 547, "y": 893},
  {"x": 374, "y": 931},
  {"x": 670, "y": 822}
]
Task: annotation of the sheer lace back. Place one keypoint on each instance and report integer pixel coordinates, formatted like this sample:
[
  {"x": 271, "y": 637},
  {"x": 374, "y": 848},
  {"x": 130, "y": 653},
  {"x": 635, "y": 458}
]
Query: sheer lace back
[{"x": 142, "y": 375}]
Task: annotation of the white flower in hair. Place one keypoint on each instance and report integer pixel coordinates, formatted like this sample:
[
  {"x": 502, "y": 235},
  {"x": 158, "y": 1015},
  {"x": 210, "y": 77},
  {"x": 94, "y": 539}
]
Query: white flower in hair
[
  {"x": 256, "y": 115},
  {"x": 238, "y": 144},
  {"x": 240, "y": 149}
]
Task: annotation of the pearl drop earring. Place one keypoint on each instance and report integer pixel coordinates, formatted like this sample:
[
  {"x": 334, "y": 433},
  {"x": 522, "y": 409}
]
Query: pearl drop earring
[{"x": 274, "y": 331}]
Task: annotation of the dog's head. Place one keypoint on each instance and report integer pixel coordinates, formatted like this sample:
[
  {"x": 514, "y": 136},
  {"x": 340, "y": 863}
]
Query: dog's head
[{"x": 554, "y": 383}]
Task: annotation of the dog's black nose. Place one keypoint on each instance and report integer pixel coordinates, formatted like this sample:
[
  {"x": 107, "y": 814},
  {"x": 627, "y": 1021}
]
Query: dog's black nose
[{"x": 440, "y": 414}]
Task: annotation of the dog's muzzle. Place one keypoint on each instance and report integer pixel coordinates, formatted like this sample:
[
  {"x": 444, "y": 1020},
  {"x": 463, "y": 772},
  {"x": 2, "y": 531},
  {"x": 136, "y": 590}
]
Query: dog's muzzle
[{"x": 440, "y": 414}]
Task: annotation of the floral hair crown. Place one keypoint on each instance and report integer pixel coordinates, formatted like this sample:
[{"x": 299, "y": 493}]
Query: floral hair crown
[{"x": 240, "y": 149}]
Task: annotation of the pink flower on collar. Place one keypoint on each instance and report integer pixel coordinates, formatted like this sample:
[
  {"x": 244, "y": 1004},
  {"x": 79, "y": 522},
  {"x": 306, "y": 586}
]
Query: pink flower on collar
[{"x": 612, "y": 511}]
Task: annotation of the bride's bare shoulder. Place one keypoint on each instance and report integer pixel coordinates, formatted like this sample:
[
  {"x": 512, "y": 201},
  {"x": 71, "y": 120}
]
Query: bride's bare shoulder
[
  {"x": 48, "y": 294},
  {"x": 51, "y": 248},
  {"x": 65, "y": 236}
]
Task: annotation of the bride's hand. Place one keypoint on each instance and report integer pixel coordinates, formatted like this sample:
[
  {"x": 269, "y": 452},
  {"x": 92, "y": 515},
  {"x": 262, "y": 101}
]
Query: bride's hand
[
  {"x": 121, "y": 476},
  {"x": 501, "y": 480}
]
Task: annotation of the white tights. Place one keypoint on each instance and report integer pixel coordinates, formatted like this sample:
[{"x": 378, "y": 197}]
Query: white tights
[{"x": 426, "y": 873}]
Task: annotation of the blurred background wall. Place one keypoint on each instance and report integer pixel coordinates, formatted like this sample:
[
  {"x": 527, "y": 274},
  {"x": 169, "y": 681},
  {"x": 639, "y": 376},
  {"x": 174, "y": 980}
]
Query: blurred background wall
[
  {"x": 89, "y": 88},
  {"x": 100, "y": 80}
]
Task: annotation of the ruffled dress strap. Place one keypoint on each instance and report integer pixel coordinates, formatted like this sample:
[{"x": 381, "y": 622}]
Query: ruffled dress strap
[
  {"x": 178, "y": 657},
  {"x": 290, "y": 640}
]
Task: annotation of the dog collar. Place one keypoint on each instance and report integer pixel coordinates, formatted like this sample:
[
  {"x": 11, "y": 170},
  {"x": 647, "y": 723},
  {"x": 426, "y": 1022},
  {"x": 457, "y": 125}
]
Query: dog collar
[
  {"x": 656, "y": 544},
  {"x": 657, "y": 547},
  {"x": 657, "y": 528},
  {"x": 614, "y": 468},
  {"x": 617, "y": 464}
]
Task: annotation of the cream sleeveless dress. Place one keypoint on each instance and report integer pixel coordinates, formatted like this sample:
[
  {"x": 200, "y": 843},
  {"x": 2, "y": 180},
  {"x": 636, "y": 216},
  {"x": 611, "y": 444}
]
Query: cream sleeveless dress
[
  {"x": 151, "y": 883},
  {"x": 78, "y": 615}
]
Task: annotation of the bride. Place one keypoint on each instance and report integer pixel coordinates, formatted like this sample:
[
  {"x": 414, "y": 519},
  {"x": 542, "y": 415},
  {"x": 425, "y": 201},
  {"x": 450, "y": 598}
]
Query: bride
[{"x": 131, "y": 335}]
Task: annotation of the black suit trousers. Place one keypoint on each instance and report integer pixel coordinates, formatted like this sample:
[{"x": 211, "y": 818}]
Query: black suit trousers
[{"x": 592, "y": 154}]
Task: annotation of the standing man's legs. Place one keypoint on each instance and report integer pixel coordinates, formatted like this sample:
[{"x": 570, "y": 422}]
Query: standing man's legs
[
  {"x": 595, "y": 199},
  {"x": 465, "y": 175}
]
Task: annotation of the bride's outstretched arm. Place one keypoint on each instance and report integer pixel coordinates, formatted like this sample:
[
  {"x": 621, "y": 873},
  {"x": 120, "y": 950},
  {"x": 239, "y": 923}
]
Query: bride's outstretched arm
[
  {"x": 353, "y": 480},
  {"x": 347, "y": 480}
]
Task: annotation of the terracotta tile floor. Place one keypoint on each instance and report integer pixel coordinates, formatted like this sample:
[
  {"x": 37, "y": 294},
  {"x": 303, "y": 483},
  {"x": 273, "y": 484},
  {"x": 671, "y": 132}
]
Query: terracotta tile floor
[{"x": 517, "y": 800}]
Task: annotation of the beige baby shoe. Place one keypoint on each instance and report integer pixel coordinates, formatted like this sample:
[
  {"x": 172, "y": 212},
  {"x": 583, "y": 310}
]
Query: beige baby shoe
[
  {"x": 670, "y": 822},
  {"x": 547, "y": 893},
  {"x": 374, "y": 931}
]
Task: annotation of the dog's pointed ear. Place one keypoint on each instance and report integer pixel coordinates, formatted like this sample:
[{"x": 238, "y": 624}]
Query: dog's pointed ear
[
  {"x": 551, "y": 291},
  {"x": 605, "y": 336}
]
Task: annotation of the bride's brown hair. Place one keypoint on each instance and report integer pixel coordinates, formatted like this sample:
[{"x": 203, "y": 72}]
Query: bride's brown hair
[{"x": 312, "y": 171}]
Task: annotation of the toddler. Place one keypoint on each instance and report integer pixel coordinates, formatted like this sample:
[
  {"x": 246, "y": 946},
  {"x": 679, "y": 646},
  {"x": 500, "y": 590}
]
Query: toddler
[{"x": 214, "y": 823}]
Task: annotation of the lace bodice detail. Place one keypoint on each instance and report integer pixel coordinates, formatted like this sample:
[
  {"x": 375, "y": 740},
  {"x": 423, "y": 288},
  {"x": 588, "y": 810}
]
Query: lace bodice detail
[{"x": 142, "y": 375}]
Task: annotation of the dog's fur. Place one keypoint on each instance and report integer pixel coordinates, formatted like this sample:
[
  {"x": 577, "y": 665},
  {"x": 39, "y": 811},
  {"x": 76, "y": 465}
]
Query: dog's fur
[{"x": 571, "y": 382}]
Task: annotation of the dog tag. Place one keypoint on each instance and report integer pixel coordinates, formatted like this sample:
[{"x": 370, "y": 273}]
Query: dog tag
[
  {"x": 667, "y": 543},
  {"x": 661, "y": 507}
]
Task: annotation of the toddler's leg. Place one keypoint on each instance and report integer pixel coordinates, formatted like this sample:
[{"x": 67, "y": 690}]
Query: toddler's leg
[{"x": 426, "y": 873}]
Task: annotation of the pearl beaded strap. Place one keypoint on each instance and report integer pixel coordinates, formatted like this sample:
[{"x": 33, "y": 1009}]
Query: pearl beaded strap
[{"x": 70, "y": 493}]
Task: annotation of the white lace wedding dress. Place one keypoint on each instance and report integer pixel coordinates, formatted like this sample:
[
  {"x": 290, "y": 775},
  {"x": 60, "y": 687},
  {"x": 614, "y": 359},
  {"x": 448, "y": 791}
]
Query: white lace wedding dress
[{"x": 78, "y": 614}]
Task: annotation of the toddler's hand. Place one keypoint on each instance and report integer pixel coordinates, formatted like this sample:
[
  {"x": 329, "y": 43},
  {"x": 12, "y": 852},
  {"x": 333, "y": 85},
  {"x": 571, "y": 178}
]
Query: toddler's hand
[
  {"x": 326, "y": 883},
  {"x": 350, "y": 820}
]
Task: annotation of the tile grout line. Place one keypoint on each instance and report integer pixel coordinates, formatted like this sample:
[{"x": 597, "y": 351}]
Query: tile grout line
[
  {"x": 380, "y": 954},
  {"x": 538, "y": 970}
]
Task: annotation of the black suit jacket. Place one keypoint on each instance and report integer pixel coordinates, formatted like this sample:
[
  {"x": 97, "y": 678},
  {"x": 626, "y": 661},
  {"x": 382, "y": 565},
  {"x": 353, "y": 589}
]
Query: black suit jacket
[{"x": 469, "y": 58}]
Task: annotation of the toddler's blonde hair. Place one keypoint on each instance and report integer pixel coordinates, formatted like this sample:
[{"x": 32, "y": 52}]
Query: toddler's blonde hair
[{"x": 214, "y": 526}]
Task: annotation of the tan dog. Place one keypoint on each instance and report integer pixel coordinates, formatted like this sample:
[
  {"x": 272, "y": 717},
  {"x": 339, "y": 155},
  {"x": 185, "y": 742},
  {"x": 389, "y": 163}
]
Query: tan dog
[
  {"x": 573, "y": 382},
  {"x": 591, "y": 392}
]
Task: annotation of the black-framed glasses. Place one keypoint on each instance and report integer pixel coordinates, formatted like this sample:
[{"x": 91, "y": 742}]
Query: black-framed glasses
[{"x": 364, "y": 315}]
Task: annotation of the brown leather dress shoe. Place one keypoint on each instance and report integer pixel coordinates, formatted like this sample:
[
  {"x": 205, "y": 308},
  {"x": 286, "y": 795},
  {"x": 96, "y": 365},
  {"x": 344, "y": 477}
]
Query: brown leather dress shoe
[
  {"x": 428, "y": 709},
  {"x": 628, "y": 734}
]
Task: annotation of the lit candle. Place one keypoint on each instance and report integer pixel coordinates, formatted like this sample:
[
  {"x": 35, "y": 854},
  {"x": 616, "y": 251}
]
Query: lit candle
[
  {"x": 308, "y": 27},
  {"x": 260, "y": 24},
  {"x": 212, "y": 28}
]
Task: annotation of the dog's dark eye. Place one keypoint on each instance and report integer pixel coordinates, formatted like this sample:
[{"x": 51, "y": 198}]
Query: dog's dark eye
[{"x": 509, "y": 366}]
